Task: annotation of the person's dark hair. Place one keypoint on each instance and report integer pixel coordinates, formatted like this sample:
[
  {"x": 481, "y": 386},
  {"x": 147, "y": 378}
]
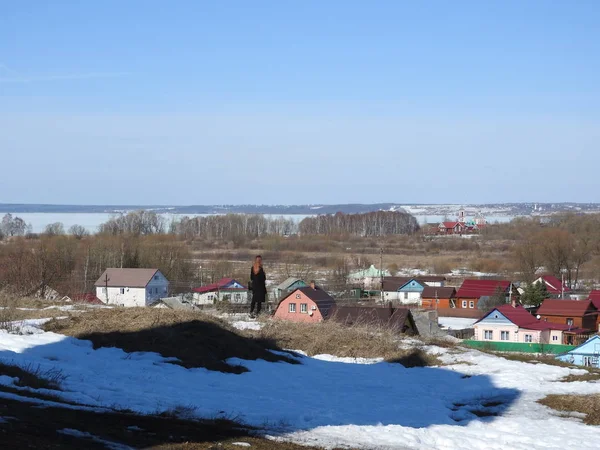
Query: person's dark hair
[{"x": 257, "y": 256}]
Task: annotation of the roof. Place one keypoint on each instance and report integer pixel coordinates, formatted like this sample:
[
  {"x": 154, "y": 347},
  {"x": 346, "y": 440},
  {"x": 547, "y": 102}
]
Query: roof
[
  {"x": 371, "y": 272},
  {"x": 126, "y": 277},
  {"x": 571, "y": 308},
  {"x": 575, "y": 350},
  {"x": 553, "y": 284},
  {"x": 396, "y": 318},
  {"x": 222, "y": 284},
  {"x": 595, "y": 298},
  {"x": 438, "y": 292},
  {"x": 175, "y": 303},
  {"x": 322, "y": 299},
  {"x": 394, "y": 283},
  {"x": 524, "y": 319},
  {"x": 481, "y": 288},
  {"x": 451, "y": 224},
  {"x": 288, "y": 283}
]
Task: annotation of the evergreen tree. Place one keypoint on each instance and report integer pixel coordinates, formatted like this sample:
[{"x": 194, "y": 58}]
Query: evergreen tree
[{"x": 534, "y": 294}]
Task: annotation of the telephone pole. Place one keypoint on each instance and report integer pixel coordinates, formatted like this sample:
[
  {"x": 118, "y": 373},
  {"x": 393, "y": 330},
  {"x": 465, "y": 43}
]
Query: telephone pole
[
  {"x": 106, "y": 280},
  {"x": 381, "y": 272}
]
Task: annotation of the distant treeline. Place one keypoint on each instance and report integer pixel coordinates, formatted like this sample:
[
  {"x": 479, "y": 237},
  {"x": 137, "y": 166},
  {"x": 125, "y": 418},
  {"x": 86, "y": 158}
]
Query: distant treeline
[
  {"x": 232, "y": 226},
  {"x": 380, "y": 223}
]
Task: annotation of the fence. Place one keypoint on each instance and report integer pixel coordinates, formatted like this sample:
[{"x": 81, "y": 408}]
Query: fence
[{"x": 522, "y": 347}]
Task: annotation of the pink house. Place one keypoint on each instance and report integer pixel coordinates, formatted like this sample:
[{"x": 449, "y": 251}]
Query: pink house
[
  {"x": 513, "y": 323},
  {"x": 305, "y": 304}
]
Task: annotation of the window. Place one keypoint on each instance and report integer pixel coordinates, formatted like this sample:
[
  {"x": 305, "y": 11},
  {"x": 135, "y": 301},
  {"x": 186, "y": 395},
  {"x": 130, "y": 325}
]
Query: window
[
  {"x": 555, "y": 338},
  {"x": 104, "y": 290},
  {"x": 406, "y": 296},
  {"x": 464, "y": 304},
  {"x": 528, "y": 338},
  {"x": 471, "y": 305},
  {"x": 304, "y": 308},
  {"x": 504, "y": 336},
  {"x": 122, "y": 290},
  {"x": 569, "y": 321},
  {"x": 156, "y": 277},
  {"x": 156, "y": 290},
  {"x": 292, "y": 307},
  {"x": 298, "y": 296},
  {"x": 488, "y": 335},
  {"x": 238, "y": 297}
]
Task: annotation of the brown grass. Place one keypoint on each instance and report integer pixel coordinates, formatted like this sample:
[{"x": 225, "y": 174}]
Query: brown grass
[
  {"x": 589, "y": 376},
  {"x": 333, "y": 338},
  {"x": 33, "y": 377},
  {"x": 586, "y": 404},
  {"x": 194, "y": 338}
]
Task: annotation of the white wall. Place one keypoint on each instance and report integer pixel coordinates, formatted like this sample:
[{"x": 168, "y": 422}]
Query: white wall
[
  {"x": 414, "y": 298},
  {"x": 156, "y": 289},
  {"x": 208, "y": 298}
]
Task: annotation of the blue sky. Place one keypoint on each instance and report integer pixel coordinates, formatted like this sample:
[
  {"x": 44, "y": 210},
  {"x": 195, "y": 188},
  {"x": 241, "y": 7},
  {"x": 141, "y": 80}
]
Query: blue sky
[{"x": 281, "y": 102}]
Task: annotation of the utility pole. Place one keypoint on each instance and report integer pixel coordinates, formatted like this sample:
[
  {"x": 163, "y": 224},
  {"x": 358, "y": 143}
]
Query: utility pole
[
  {"x": 510, "y": 294},
  {"x": 381, "y": 272},
  {"x": 106, "y": 280}
]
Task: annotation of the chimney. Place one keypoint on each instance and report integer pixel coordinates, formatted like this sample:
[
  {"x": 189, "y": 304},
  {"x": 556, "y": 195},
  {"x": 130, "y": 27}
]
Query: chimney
[{"x": 313, "y": 285}]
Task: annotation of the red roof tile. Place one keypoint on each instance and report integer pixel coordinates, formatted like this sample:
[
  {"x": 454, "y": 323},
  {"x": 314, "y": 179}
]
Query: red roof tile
[
  {"x": 523, "y": 319},
  {"x": 481, "y": 288},
  {"x": 571, "y": 308},
  {"x": 595, "y": 298},
  {"x": 553, "y": 284},
  {"x": 221, "y": 284}
]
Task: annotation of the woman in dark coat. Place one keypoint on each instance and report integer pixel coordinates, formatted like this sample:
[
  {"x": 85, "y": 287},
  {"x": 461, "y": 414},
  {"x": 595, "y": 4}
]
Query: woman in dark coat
[{"x": 257, "y": 286}]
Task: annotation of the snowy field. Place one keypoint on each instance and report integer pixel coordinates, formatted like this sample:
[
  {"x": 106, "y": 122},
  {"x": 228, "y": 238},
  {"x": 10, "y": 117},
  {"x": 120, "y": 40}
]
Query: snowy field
[
  {"x": 326, "y": 401},
  {"x": 455, "y": 323}
]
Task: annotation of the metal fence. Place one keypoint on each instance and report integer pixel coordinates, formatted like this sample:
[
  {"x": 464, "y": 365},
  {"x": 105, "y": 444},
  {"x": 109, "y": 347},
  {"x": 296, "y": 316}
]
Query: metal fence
[{"x": 522, "y": 347}]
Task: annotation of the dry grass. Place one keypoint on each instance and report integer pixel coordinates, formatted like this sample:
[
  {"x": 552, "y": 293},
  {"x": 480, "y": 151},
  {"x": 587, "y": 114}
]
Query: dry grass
[
  {"x": 195, "y": 339},
  {"x": 585, "y": 404},
  {"x": 333, "y": 338},
  {"x": 589, "y": 376},
  {"x": 33, "y": 377}
]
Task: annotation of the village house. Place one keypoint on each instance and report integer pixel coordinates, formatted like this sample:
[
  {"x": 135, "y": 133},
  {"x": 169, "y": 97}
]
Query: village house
[
  {"x": 405, "y": 290},
  {"x": 368, "y": 278},
  {"x": 399, "y": 320},
  {"x": 305, "y": 304},
  {"x": 451, "y": 228},
  {"x": 554, "y": 287},
  {"x": 471, "y": 290},
  {"x": 513, "y": 323},
  {"x": 438, "y": 297},
  {"x": 575, "y": 313},
  {"x": 131, "y": 287},
  {"x": 287, "y": 286},
  {"x": 226, "y": 289},
  {"x": 587, "y": 354},
  {"x": 595, "y": 299}
]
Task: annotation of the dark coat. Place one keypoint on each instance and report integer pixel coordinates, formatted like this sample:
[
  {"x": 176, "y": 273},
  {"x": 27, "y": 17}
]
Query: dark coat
[{"x": 258, "y": 285}]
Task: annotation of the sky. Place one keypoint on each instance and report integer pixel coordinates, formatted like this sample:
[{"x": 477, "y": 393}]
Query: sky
[{"x": 287, "y": 102}]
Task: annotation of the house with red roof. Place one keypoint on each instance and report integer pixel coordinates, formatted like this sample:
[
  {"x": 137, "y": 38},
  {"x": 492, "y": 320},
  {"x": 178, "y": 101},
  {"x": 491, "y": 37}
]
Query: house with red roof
[
  {"x": 594, "y": 297},
  {"x": 472, "y": 290},
  {"x": 451, "y": 228},
  {"x": 226, "y": 289},
  {"x": 575, "y": 313},
  {"x": 554, "y": 286},
  {"x": 513, "y": 323}
]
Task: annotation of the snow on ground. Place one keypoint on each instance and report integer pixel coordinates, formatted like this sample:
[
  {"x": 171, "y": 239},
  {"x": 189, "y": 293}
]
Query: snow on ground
[
  {"x": 455, "y": 323},
  {"x": 326, "y": 400},
  {"x": 247, "y": 325}
]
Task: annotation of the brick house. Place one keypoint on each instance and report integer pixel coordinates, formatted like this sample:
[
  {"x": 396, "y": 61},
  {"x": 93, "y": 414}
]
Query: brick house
[{"x": 305, "y": 304}]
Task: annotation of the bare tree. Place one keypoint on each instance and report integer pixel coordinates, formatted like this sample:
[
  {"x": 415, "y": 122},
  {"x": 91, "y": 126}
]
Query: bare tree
[
  {"x": 54, "y": 229},
  {"x": 78, "y": 231}
]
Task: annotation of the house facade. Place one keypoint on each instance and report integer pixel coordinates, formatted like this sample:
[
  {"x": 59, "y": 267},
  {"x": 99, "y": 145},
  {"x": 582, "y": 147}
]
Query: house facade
[
  {"x": 226, "y": 289},
  {"x": 513, "y": 323},
  {"x": 438, "y": 297},
  {"x": 587, "y": 354},
  {"x": 471, "y": 290},
  {"x": 368, "y": 278},
  {"x": 131, "y": 287},
  {"x": 305, "y": 304},
  {"x": 451, "y": 228},
  {"x": 575, "y": 313}
]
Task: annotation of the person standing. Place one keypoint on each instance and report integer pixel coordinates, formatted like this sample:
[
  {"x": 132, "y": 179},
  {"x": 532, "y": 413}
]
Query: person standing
[{"x": 258, "y": 286}]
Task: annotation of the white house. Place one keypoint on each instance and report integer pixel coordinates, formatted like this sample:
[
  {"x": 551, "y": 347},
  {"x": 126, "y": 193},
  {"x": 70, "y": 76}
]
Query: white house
[
  {"x": 131, "y": 287},
  {"x": 405, "y": 290},
  {"x": 226, "y": 289}
]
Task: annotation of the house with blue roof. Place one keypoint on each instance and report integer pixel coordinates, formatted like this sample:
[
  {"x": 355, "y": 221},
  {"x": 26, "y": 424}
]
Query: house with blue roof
[
  {"x": 586, "y": 354},
  {"x": 407, "y": 291}
]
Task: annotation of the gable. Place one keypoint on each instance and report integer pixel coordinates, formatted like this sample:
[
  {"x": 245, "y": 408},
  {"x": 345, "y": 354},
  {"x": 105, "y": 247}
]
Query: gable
[
  {"x": 412, "y": 286},
  {"x": 495, "y": 318},
  {"x": 590, "y": 347}
]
